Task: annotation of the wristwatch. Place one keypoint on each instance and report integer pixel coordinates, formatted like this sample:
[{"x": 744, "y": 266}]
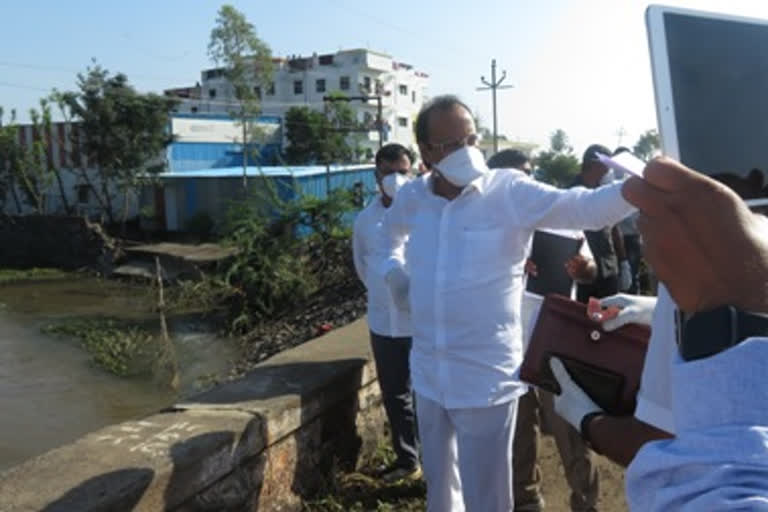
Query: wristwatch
[{"x": 707, "y": 333}]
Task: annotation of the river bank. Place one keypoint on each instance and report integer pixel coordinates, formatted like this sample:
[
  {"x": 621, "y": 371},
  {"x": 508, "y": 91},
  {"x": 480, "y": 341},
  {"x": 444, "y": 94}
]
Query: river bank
[{"x": 51, "y": 389}]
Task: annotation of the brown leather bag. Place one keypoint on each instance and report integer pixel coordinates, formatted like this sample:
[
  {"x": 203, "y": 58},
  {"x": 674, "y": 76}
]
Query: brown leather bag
[{"x": 607, "y": 365}]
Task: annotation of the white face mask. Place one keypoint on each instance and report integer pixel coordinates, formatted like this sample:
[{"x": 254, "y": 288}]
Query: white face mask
[
  {"x": 463, "y": 166},
  {"x": 391, "y": 183}
]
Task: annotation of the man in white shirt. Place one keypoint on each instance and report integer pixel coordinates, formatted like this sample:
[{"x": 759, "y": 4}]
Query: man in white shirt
[
  {"x": 470, "y": 230},
  {"x": 390, "y": 328},
  {"x": 536, "y": 407}
]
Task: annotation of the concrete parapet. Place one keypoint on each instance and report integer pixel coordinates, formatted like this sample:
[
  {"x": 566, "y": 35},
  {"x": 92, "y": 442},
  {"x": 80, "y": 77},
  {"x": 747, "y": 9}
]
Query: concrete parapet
[{"x": 259, "y": 443}]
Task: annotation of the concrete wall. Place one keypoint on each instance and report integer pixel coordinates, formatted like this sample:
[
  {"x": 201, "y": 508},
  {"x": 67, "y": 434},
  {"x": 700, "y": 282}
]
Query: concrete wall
[{"x": 260, "y": 443}]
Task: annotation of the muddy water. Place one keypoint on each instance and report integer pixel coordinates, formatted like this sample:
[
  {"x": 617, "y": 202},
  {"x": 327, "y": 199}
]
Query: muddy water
[{"x": 51, "y": 392}]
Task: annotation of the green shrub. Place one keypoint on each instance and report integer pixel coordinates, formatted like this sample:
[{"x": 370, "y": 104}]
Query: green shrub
[{"x": 287, "y": 251}]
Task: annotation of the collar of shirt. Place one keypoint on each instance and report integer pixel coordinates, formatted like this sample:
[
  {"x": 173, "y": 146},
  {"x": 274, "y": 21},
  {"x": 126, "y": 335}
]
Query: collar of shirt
[{"x": 479, "y": 184}]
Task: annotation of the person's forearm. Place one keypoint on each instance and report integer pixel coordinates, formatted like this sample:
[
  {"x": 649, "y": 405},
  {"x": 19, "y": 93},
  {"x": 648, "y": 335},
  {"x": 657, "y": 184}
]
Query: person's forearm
[{"x": 620, "y": 437}]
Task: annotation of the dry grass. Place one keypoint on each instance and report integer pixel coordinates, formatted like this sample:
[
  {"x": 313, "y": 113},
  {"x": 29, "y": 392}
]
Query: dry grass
[{"x": 360, "y": 492}]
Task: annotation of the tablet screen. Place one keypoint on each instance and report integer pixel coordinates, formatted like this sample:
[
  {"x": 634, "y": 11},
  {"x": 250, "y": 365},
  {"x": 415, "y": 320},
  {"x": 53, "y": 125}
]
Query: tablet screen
[{"x": 719, "y": 80}]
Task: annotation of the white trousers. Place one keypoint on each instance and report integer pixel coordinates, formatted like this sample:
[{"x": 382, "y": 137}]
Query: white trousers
[{"x": 467, "y": 456}]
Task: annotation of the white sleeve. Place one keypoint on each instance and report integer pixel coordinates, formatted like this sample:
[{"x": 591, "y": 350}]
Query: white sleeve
[
  {"x": 359, "y": 254},
  {"x": 538, "y": 205},
  {"x": 654, "y": 399},
  {"x": 396, "y": 229}
]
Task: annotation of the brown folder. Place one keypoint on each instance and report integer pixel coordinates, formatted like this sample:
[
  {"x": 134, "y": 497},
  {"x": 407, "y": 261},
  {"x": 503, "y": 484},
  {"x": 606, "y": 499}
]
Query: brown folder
[{"x": 607, "y": 365}]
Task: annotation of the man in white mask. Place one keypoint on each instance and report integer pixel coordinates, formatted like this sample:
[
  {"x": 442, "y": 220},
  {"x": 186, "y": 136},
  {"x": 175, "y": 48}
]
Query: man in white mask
[
  {"x": 390, "y": 327},
  {"x": 469, "y": 230}
]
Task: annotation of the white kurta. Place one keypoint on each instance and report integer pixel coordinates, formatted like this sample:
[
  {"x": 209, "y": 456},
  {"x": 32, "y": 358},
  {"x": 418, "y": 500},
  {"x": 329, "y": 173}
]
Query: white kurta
[
  {"x": 465, "y": 260},
  {"x": 370, "y": 255}
]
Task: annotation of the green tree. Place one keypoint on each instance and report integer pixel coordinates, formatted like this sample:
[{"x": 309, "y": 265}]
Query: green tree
[
  {"x": 557, "y": 165},
  {"x": 559, "y": 143},
  {"x": 305, "y": 130},
  {"x": 322, "y": 137},
  {"x": 28, "y": 169},
  {"x": 11, "y": 159},
  {"x": 41, "y": 122},
  {"x": 647, "y": 145},
  {"x": 247, "y": 64},
  {"x": 122, "y": 133}
]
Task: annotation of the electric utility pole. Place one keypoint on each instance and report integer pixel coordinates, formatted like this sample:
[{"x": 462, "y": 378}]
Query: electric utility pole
[
  {"x": 493, "y": 85},
  {"x": 620, "y": 133}
]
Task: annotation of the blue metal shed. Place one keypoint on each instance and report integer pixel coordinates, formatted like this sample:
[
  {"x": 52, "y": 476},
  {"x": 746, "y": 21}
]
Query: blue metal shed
[
  {"x": 206, "y": 141},
  {"x": 211, "y": 191}
]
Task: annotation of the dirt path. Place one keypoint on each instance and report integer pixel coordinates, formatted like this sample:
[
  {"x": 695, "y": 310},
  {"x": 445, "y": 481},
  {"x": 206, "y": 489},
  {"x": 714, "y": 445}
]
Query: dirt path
[{"x": 555, "y": 488}]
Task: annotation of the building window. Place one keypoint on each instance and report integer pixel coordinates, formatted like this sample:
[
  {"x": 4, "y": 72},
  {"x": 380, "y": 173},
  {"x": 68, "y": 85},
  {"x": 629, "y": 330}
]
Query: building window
[
  {"x": 298, "y": 87},
  {"x": 257, "y": 91},
  {"x": 413, "y": 96},
  {"x": 211, "y": 93},
  {"x": 344, "y": 83},
  {"x": 402, "y": 121},
  {"x": 403, "y": 90},
  {"x": 83, "y": 194},
  {"x": 271, "y": 89},
  {"x": 325, "y": 60},
  {"x": 214, "y": 73},
  {"x": 367, "y": 83},
  {"x": 320, "y": 85}
]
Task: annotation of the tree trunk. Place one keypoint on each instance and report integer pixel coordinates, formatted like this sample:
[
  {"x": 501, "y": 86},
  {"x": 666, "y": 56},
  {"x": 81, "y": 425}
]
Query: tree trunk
[
  {"x": 245, "y": 159},
  {"x": 15, "y": 196},
  {"x": 124, "y": 219},
  {"x": 107, "y": 198},
  {"x": 87, "y": 179},
  {"x": 62, "y": 192}
]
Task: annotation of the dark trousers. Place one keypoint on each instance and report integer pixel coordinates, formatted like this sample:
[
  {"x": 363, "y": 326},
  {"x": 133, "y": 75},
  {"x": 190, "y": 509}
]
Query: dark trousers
[
  {"x": 534, "y": 409},
  {"x": 394, "y": 374},
  {"x": 634, "y": 251}
]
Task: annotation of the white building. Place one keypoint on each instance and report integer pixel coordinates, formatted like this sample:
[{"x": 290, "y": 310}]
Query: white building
[{"x": 304, "y": 81}]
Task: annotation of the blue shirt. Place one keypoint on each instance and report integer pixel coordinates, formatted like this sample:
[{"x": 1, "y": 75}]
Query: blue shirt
[{"x": 719, "y": 459}]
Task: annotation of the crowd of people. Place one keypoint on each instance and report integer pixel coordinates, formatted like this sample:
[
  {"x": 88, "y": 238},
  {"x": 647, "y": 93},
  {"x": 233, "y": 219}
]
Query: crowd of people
[{"x": 444, "y": 256}]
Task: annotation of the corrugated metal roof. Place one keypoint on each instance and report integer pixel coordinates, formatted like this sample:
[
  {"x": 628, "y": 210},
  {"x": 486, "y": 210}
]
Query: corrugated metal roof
[
  {"x": 264, "y": 118},
  {"x": 276, "y": 171}
]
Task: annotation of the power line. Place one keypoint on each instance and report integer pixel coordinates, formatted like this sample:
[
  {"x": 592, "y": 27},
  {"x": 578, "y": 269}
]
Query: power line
[
  {"x": 21, "y": 86},
  {"x": 59, "y": 69}
]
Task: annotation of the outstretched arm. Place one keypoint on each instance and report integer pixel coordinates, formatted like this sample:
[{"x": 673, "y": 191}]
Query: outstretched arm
[{"x": 538, "y": 205}]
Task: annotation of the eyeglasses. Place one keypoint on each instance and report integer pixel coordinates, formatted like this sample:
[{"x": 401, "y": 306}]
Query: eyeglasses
[{"x": 448, "y": 147}]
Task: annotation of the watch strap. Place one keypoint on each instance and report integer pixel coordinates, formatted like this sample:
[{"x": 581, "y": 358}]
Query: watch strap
[
  {"x": 707, "y": 333},
  {"x": 584, "y": 425}
]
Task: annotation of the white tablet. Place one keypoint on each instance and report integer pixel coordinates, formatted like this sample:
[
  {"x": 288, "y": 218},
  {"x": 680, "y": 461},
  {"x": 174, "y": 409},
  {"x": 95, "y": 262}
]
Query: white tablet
[{"x": 710, "y": 75}]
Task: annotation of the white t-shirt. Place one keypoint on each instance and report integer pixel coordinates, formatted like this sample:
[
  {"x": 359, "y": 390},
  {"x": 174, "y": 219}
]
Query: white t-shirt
[{"x": 654, "y": 400}]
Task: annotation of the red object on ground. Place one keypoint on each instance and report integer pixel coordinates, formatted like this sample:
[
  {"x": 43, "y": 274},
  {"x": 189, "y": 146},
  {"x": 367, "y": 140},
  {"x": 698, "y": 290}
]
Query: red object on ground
[
  {"x": 597, "y": 313},
  {"x": 324, "y": 328}
]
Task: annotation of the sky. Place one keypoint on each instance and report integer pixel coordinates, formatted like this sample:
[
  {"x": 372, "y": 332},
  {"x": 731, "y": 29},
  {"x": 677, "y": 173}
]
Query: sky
[{"x": 577, "y": 65}]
